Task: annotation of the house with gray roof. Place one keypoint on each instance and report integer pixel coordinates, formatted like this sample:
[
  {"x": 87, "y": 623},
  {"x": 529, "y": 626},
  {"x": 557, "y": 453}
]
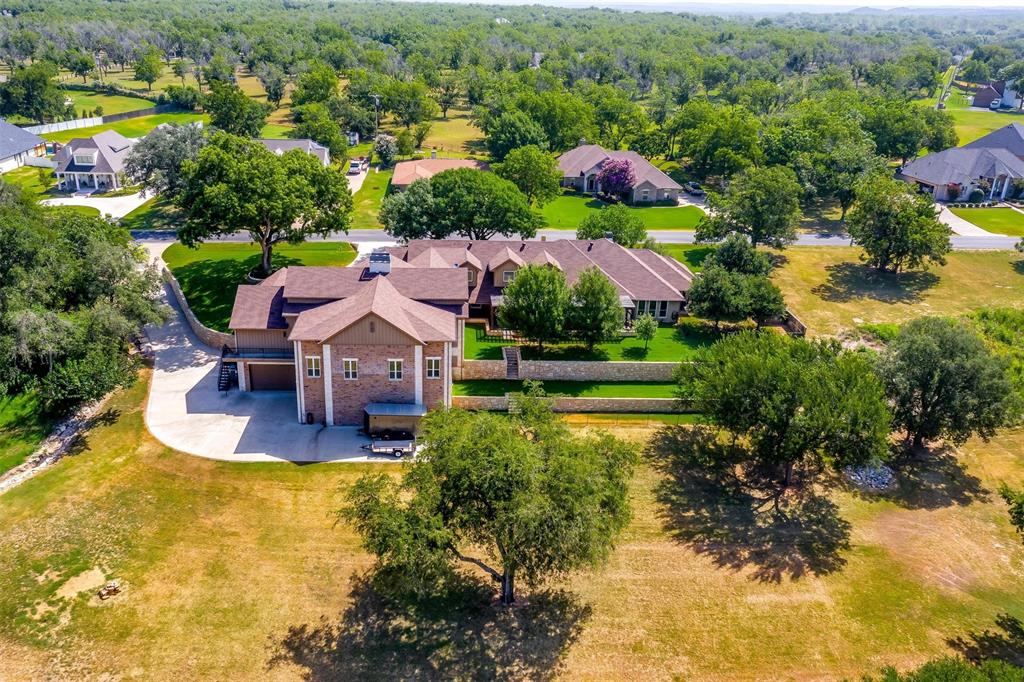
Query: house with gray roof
[
  {"x": 309, "y": 146},
  {"x": 581, "y": 165},
  {"x": 991, "y": 163},
  {"x": 93, "y": 163},
  {"x": 16, "y": 145}
]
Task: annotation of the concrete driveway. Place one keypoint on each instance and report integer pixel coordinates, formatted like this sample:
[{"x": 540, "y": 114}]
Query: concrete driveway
[
  {"x": 186, "y": 412},
  {"x": 355, "y": 181},
  {"x": 115, "y": 207},
  {"x": 960, "y": 226}
]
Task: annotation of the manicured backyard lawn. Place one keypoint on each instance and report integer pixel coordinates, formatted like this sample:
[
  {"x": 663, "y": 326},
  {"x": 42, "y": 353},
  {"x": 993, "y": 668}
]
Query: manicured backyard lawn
[
  {"x": 112, "y": 104},
  {"x": 22, "y": 428},
  {"x": 575, "y": 389},
  {"x": 972, "y": 123},
  {"x": 366, "y": 202},
  {"x": 690, "y": 255},
  {"x": 251, "y": 559},
  {"x": 27, "y": 178},
  {"x": 831, "y": 290},
  {"x": 90, "y": 211},
  {"x": 568, "y": 211},
  {"x": 672, "y": 344},
  {"x": 156, "y": 214},
  {"x": 132, "y": 127},
  {"x": 210, "y": 274},
  {"x": 998, "y": 220}
]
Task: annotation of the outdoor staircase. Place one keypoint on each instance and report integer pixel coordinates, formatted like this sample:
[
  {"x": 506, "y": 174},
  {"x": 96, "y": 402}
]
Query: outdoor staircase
[
  {"x": 227, "y": 373},
  {"x": 511, "y": 361}
]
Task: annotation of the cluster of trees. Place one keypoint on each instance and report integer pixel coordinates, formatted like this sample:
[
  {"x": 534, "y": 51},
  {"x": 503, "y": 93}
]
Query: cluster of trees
[
  {"x": 734, "y": 285},
  {"x": 808, "y": 404},
  {"x": 74, "y": 293},
  {"x": 543, "y": 308},
  {"x": 536, "y": 499},
  {"x": 461, "y": 202}
]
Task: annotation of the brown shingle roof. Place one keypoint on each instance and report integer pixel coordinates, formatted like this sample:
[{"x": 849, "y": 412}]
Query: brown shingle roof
[
  {"x": 577, "y": 161},
  {"x": 421, "y": 322},
  {"x": 408, "y": 172},
  {"x": 424, "y": 284},
  {"x": 258, "y": 306}
]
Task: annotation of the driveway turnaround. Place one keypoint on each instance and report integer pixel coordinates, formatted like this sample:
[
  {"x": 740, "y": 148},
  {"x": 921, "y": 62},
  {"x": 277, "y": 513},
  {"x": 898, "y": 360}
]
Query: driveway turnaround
[
  {"x": 186, "y": 412},
  {"x": 115, "y": 207}
]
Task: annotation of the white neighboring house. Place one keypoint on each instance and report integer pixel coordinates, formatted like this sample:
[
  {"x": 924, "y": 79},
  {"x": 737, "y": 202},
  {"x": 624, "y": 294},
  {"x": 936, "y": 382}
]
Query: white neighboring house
[
  {"x": 306, "y": 145},
  {"x": 94, "y": 163},
  {"x": 17, "y": 145}
]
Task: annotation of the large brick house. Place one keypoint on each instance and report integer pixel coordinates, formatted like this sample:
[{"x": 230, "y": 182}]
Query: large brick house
[
  {"x": 375, "y": 344},
  {"x": 580, "y": 168}
]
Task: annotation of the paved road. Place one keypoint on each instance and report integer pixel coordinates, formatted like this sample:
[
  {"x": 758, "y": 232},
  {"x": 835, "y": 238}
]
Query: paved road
[{"x": 379, "y": 237}]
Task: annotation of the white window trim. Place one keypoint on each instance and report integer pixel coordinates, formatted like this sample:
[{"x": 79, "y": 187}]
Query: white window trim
[
  {"x": 438, "y": 361},
  {"x": 401, "y": 369},
  {"x": 319, "y": 368},
  {"x": 507, "y": 276},
  {"x": 345, "y": 370}
]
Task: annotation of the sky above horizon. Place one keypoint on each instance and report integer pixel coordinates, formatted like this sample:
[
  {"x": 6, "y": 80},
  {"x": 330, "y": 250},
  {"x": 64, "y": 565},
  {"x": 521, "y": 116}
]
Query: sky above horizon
[{"x": 680, "y": 5}]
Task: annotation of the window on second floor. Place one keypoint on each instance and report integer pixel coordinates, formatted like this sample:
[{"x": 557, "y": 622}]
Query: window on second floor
[
  {"x": 433, "y": 368},
  {"x": 350, "y": 368},
  {"x": 472, "y": 277},
  {"x": 507, "y": 276},
  {"x": 395, "y": 370},
  {"x": 313, "y": 366}
]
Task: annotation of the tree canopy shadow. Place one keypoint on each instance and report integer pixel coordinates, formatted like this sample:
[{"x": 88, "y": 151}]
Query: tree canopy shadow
[
  {"x": 1004, "y": 643},
  {"x": 849, "y": 281},
  {"x": 459, "y": 634},
  {"x": 1018, "y": 266},
  {"x": 933, "y": 480},
  {"x": 708, "y": 506}
]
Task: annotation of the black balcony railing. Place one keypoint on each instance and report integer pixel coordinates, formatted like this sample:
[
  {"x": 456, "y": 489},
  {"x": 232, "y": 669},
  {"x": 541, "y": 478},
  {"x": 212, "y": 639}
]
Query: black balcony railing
[{"x": 255, "y": 352}]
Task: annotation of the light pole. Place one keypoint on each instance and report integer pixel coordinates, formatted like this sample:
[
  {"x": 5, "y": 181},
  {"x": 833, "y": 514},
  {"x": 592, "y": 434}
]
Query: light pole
[{"x": 376, "y": 109}]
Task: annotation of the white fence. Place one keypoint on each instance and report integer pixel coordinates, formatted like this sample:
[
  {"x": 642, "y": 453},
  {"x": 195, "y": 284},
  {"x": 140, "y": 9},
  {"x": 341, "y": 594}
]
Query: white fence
[
  {"x": 40, "y": 162},
  {"x": 66, "y": 125}
]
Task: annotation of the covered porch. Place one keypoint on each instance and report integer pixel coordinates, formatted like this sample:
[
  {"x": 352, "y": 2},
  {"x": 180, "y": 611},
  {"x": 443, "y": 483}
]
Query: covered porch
[{"x": 78, "y": 181}]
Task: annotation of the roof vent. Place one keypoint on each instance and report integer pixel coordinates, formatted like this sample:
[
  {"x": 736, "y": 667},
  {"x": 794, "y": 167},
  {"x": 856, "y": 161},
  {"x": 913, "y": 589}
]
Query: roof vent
[
  {"x": 610, "y": 236},
  {"x": 590, "y": 246},
  {"x": 522, "y": 247},
  {"x": 380, "y": 263}
]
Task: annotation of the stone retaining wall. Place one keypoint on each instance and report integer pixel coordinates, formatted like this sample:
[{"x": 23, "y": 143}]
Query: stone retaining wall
[
  {"x": 565, "y": 404},
  {"x": 570, "y": 370},
  {"x": 210, "y": 337}
]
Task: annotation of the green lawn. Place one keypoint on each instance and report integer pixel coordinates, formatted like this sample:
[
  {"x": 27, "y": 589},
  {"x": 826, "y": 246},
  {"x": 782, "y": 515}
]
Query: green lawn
[
  {"x": 276, "y": 131},
  {"x": 366, "y": 202},
  {"x": 133, "y": 127},
  {"x": 81, "y": 210},
  {"x": 242, "y": 571},
  {"x": 112, "y": 104},
  {"x": 27, "y": 178},
  {"x": 22, "y": 428},
  {"x": 210, "y": 274},
  {"x": 568, "y": 211},
  {"x": 690, "y": 255},
  {"x": 672, "y": 344},
  {"x": 156, "y": 214},
  {"x": 999, "y": 220},
  {"x": 575, "y": 389},
  {"x": 972, "y": 124}
]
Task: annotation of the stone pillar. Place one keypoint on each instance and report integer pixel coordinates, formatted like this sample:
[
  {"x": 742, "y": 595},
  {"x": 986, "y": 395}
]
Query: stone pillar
[
  {"x": 328, "y": 386},
  {"x": 299, "y": 383},
  {"x": 243, "y": 367}
]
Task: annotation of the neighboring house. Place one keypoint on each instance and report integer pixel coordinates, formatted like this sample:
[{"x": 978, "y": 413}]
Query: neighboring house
[
  {"x": 952, "y": 175},
  {"x": 306, "y": 145},
  {"x": 408, "y": 172},
  {"x": 581, "y": 165},
  {"x": 95, "y": 162},
  {"x": 999, "y": 91},
  {"x": 991, "y": 163},
  {"x": 375, "y": 344},
  {"x": 17, "y": 145},
  {"x": 352, "y": 137}
]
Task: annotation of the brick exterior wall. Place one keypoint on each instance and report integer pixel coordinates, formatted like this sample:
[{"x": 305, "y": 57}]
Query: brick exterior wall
[
  {"x": 373, "y": 384},
  {"x": 571, "y": 370}
]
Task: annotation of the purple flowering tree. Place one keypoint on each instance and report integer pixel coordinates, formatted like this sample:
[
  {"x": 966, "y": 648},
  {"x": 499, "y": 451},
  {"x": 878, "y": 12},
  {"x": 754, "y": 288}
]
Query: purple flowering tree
[{"x": 617, "y": 177}]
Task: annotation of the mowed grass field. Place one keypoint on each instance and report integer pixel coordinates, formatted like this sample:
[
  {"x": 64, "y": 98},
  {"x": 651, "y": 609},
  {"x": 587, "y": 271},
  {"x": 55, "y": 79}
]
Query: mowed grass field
[
  {"x": 569, "y": 210},
  {"x": 22, "y": 428},
  {"x": 974, "y": 123},
  {"x": 999, "y": 220},
  {"x": 239, "y": 571},
  {"x": 112, "y": 104},
  {"x": 210, "y": 274},
  {"x": 132, "y": 127},
  {"x": 829, "y": 289},
  {"x": 366, "y": 202}
]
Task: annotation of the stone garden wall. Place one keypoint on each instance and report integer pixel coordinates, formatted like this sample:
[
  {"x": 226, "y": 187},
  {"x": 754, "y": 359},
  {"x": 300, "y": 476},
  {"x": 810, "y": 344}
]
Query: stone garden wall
[
  {"x": 214, "y": 339},
  {"x": 569, "y": 370},
  {"x": 566, "y": 404}
]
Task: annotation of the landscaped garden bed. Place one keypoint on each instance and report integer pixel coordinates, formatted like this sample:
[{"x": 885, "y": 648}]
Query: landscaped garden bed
[
  {"x": 671, "y": 344},
  {"x": 210, "y": 274}
]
